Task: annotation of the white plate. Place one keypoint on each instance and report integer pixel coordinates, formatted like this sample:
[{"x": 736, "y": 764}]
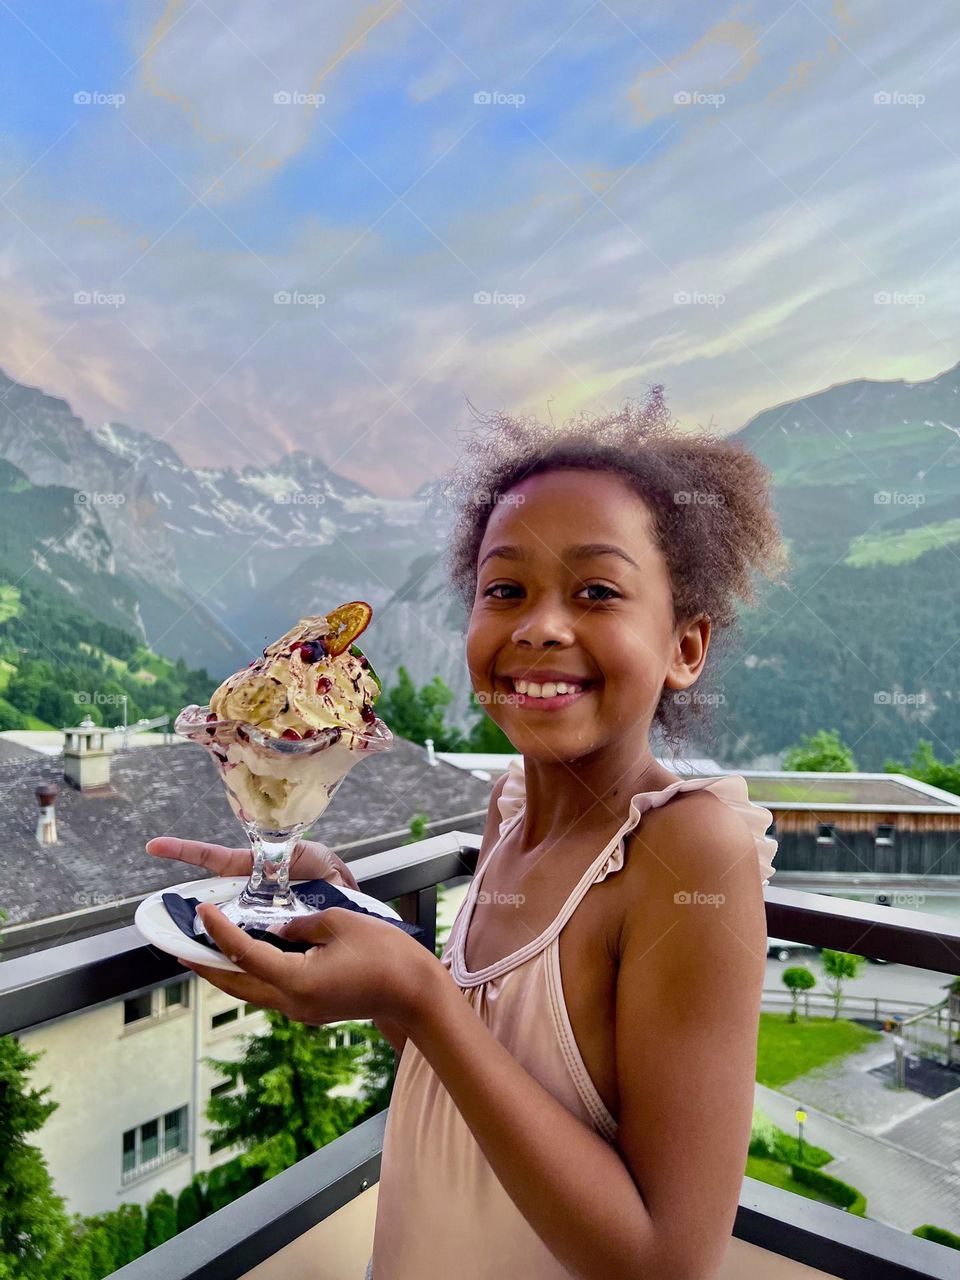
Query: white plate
[{"x": 155, "y": 923}]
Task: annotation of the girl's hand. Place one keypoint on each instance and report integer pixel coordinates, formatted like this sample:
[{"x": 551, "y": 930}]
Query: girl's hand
[
  {"x": 310, "y": 860},
  {"x": 358, "y": 967}
]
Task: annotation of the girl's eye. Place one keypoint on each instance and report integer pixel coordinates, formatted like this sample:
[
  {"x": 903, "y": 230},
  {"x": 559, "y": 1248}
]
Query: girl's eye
[
  {"x": 591, "y": 586},
  {"x": 601, "y": 586}
]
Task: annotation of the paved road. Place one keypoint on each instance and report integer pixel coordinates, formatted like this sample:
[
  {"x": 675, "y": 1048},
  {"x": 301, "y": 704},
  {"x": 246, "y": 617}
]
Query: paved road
[{"x": 903, "y": 1189}]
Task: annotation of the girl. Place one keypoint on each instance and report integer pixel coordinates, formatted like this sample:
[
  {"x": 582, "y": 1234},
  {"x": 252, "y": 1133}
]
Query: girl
[{"x": 575, "y": 1087}]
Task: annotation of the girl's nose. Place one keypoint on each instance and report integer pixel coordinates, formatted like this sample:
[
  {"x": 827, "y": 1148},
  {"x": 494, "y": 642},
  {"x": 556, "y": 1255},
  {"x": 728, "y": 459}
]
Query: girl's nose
[{"x": 544, "y": 626}]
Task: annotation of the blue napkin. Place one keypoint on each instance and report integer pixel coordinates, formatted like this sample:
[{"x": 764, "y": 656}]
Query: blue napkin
[{"x": 316, "y": 894}]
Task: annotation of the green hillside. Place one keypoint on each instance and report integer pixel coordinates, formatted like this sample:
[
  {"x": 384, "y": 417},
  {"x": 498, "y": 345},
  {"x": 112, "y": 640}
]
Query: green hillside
[{"x": 58, "y": 663}]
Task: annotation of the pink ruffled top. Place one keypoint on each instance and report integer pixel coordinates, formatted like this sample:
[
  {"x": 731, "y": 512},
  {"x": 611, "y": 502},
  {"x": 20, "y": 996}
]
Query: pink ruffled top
[{"x": 441, "y": 1209}]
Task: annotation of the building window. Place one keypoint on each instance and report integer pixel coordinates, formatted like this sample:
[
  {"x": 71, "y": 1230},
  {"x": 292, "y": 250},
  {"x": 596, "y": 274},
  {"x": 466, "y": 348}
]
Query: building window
[
  {"x": 826, "y": 833},
  {"x": 176, "y": 996},
  {"x": 886, "y": 833},
  {"x": 153, "y": 1144},
  {"x": 156, "y": 1002},
  {"x": 221, "y": 1019},
  {"x": 219, "y": 1090},
  {"x": 137, "y": 1008}
]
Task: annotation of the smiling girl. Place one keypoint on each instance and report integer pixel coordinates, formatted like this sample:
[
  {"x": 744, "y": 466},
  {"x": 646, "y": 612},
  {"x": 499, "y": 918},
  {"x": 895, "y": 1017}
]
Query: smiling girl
[{"x": 575, "y": 1087}]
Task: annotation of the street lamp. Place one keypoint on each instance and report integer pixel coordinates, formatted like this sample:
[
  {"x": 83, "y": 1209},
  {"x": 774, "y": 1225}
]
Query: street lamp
[{"x": 801, "y": 1118}]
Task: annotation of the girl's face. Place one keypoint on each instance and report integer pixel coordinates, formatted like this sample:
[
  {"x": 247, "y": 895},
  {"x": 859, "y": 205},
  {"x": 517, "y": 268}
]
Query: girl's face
[{"x": 570, "y": 583}]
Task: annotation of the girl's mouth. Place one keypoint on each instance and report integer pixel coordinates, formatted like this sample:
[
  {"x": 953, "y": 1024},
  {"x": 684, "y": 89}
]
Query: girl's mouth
[{"x": 549, "y": 696}]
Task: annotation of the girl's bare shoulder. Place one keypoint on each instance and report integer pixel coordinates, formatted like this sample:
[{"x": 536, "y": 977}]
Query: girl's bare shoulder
[{"x": 694, "y": 837}]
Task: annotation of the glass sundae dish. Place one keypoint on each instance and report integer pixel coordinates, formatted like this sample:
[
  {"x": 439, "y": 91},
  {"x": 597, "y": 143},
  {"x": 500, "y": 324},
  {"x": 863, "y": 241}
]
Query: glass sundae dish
[{"x": 284, "y": 733}]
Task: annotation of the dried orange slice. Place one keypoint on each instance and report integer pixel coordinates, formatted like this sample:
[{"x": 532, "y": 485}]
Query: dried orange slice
[{"x": 348, "y": 621}]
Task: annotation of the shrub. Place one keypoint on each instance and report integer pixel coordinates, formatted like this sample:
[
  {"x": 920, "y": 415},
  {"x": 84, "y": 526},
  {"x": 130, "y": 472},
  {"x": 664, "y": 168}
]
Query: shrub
[
  {"x": 190, "y": 1205},
  {"x": 939, "y": 1235},
  {"x": 130, "y": 1233},
  {"x": 161, "y": 1219},
  {"x": 841, "y": 1193}
]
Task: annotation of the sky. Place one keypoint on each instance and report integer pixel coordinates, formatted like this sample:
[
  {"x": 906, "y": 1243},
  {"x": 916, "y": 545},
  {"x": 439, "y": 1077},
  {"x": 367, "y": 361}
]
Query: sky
[{"x": 248, "y": 229}]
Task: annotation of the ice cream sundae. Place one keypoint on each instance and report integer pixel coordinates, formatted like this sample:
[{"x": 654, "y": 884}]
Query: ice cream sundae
[{"x": 284, "y": 732}]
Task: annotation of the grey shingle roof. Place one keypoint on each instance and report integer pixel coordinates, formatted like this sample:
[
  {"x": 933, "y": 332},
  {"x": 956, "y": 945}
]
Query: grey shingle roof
[
  {"x": 14, "y": 751},
  {"x": 175, "y": 790}
]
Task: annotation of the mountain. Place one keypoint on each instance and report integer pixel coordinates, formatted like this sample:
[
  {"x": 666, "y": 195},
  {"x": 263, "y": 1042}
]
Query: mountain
[
  {"x": 212, "y": 559},
  {"x": 207, "y": 564}
]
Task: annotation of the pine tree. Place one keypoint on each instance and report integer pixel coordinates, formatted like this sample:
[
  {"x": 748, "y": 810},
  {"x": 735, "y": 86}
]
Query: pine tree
[
  {"x": 418, "y": 714},
  {"x": 283, "y": 1110},
  {"x": 33, "y": 1221}
]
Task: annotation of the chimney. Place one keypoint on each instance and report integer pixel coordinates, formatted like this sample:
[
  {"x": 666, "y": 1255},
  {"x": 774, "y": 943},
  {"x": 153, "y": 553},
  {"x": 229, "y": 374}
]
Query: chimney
[
  {"x": 86, "y": 757},
  {"x": 431, "y": 754},
  {"x": 46, "y": 794}
]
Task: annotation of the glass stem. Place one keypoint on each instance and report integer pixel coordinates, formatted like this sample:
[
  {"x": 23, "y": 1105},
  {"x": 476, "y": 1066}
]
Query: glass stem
[{"x": 270, "y": 877}]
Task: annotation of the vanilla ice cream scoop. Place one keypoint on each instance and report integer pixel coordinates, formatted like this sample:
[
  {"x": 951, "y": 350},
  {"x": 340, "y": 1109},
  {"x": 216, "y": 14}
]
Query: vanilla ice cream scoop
[{"x": 309, "y": 680}]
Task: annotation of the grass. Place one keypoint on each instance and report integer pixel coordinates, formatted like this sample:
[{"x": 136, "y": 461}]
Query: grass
[
  {"x": 762, "y": 790},
  {"x": 34, "y": 722},
  {"x": 903, "y": 546},
  {"x": 786, "y": 1050},
  {"x": 779, "y": 1175},
  {"x": 9, "y": 602},
  {"x": 117, "y": 664}
]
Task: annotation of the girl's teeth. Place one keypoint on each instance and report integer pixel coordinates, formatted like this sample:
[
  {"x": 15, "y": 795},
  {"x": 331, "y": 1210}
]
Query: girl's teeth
[{"x": 548, "y": 690}]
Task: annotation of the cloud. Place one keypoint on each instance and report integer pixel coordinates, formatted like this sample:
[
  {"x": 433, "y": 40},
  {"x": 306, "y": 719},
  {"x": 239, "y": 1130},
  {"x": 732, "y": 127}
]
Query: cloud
[{"x": 584, "y": 212}]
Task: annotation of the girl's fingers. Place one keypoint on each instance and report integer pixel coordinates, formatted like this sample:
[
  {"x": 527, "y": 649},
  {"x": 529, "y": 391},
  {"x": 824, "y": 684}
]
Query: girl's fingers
[{"x": 214, "y": 857}]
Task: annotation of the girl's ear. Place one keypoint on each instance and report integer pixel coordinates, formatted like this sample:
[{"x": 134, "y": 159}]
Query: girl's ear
[{"x": 693, "y": 641}]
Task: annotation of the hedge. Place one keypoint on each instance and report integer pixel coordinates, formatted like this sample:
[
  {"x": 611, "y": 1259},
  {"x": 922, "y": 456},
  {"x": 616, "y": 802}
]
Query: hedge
[
  {"x": 938, "y": 1235},
  {"x": 841, "y": 1193}
]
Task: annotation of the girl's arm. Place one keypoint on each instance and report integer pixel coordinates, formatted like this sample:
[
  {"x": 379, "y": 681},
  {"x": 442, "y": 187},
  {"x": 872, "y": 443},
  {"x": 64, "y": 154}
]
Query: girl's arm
[
  {"x": 391, "y": 1030},
  {"x": 661, "y": 1205}
]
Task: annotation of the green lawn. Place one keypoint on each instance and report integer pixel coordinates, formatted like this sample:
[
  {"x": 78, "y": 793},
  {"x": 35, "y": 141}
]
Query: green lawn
[
  {"x": 786, "y": 1050},
  {"x": 9, "y": 602},
  {"x": 778, "y": 1175},
  {"x": 34, "y": 722}
]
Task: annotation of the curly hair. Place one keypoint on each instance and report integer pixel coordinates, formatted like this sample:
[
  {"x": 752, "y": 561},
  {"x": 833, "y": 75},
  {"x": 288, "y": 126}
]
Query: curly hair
[{"x": 708, "y": 498}]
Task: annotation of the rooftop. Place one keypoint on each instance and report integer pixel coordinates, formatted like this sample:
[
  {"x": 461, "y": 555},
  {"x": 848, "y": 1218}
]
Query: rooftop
[{"x": 175, "y": 790}]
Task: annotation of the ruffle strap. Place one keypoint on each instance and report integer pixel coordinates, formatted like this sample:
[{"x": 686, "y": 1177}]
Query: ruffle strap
[{"x": 731, "y": 788}]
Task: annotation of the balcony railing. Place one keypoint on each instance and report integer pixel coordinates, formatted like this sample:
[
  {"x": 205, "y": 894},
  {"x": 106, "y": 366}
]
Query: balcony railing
[{"x": 318, "y": 1192}]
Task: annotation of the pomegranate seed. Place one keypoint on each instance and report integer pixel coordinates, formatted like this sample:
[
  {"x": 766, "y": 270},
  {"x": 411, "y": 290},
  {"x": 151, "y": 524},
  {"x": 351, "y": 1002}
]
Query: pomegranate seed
[
  {"x": 324, "y": 684},
  {"x": 313, "y": 650},
  {"x": 291, "y": 733}
]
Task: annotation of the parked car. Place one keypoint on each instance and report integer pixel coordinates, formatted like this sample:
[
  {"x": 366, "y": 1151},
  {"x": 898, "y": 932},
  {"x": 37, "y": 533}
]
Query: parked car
[{"x": 783, "y": 949}]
